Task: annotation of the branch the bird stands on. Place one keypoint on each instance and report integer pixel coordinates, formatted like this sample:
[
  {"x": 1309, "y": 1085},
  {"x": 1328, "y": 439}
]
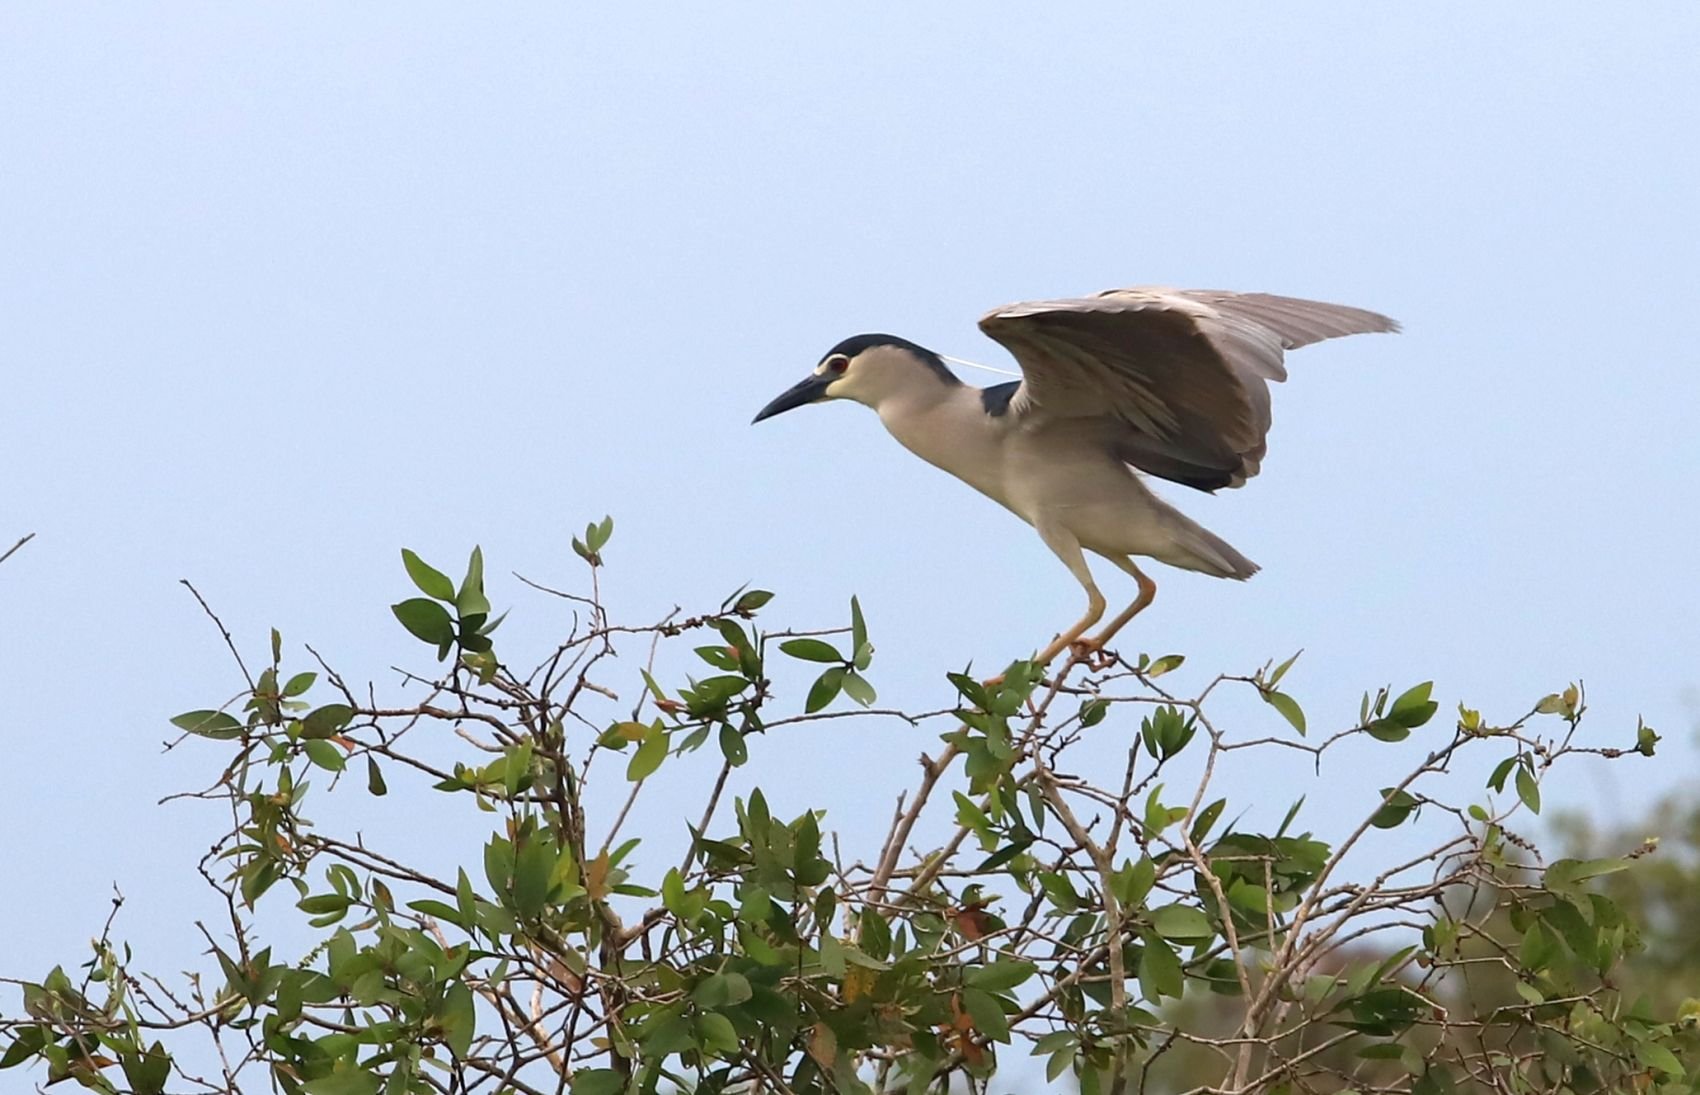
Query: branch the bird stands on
[{"x": 1029, "y": 916}]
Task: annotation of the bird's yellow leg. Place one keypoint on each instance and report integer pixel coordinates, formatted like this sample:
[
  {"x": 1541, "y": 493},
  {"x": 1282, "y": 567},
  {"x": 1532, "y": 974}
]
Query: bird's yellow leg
[
  {"x": 1147, "y": 593},
  {"x": 1095, "y": 605},
  {"x": 1067, "y": 548},
  {"x": 1094, "y": 613}
]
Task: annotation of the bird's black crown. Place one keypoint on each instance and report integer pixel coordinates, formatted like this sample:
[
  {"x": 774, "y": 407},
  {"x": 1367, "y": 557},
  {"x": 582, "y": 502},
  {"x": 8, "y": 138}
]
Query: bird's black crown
[{"x": 856, "y": 344}]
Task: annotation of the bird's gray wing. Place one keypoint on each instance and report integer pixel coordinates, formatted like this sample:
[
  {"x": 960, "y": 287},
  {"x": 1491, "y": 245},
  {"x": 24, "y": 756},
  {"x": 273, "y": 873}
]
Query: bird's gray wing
[{"x": 1182, "y": 375}]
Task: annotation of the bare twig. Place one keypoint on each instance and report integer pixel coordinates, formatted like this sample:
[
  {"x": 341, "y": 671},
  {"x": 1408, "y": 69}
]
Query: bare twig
[{"x": 26, "y": 538}]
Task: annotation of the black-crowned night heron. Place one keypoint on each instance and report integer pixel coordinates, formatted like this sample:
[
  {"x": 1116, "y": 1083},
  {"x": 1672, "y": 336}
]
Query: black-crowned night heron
[{"x": 1173, "y": 382}]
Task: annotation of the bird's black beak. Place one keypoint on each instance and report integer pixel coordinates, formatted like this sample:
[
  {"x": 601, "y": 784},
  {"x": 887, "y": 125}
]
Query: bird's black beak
[{"x": 811, "y": 390}]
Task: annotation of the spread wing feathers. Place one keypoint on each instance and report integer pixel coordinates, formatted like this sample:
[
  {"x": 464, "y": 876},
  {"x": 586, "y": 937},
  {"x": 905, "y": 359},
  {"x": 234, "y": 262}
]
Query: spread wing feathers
[{"x": 1183, "y": 373}]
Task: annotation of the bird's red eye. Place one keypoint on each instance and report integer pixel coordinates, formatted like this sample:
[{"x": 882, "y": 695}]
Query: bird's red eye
[{"x": 838, "y": 364}]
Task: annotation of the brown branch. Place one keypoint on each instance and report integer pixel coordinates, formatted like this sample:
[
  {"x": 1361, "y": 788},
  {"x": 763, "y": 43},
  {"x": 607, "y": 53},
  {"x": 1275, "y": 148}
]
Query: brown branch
[
  {"x": 26, "y": 538},
  {"x": 222, "y": 630}
]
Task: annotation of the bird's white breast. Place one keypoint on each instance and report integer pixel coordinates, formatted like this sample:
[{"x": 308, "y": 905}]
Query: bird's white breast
[
  {"x": 1058, "y": 473},
  {"x": 951, "y": 431}
]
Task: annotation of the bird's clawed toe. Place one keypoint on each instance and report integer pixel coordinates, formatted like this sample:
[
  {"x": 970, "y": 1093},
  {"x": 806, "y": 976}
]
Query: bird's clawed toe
[{"x": 1091, "y": 653}]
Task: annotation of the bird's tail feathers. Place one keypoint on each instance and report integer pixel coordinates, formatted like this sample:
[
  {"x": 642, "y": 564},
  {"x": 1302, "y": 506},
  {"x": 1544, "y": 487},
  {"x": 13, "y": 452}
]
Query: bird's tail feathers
[{"x": 1197, "y": 548}]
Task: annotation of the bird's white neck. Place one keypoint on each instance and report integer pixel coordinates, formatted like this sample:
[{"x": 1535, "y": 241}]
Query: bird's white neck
[{"x": 947, "y": 426}]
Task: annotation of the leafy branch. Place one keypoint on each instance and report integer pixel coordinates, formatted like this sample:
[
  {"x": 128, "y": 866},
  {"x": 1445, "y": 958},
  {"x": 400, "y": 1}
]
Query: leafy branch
[{"x": 1122, "y": 926}]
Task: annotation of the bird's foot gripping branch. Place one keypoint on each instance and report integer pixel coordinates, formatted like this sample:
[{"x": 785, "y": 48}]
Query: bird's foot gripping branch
[{"x": 1061, "y": 894}]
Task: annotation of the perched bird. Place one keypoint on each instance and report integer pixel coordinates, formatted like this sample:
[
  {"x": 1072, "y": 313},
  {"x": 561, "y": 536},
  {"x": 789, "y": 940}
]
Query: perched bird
[{"x": 1171, "y": 382}]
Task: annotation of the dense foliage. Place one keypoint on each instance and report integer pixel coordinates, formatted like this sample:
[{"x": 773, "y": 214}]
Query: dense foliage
[{"x": 1111, "y": 929}]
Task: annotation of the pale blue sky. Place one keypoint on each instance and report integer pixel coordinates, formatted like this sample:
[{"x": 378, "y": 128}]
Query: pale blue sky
[{"x": 285, "y": 288}]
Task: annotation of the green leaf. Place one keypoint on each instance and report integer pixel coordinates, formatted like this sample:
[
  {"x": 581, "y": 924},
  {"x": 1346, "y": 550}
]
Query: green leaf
[
  {"x": 1134, "y": 881},
  {"x": 499, "y": 864},
  {"x": 473, "y": 607},
  {"x": 1160, "y": 972},
  {"x": 1168, "y": 663},
  {"x": 1382, "y": 1012},
  {"x": 426, "y": 620},
  {"x": 673, "y": 893},
  {"x": 717, "y": 1033},
  {"x": 1206, "y": 818},
  {"x": 147, "y": 1072},
  {"x": 1004, "y": 855},
  {"x": 1435, "y": 1080},
  {"x": 597, "y": 1081},
  {"x": 1538, "y": 948},
  {"x": 1654, "y": 1055},
  {"x": 1000, "y": 976},
  {"x": 977, "y": 695},
  {"x": 1166, "y": 731},
  {"x": 431, "y": 581},
  {"x": 1181, "y": 922},
  {"x": 876, "y": 934},
  {"x": 1281, "y": 670},
  {"x": 857, "y": 688},
  {"x": 1388, "y": 730},
  {"x": 516, "y": 770},
  {"x": 1157, "y": 816},
  {"x": 1382, "y": 1051},
  {"x": 1527, "y": 789},
  {"x": 1413, "y": 707},
  {"x": 320, "y": 904},
  {"x": 209, "y": 724},
  {"x": 426, "y": 906},
  {"x": 648, "y": 756},
  {"x": 811, "y": 650},
  {"x": 858, "y": 626},
  {"x": 1396, "y": 806},
  {"x": 825, "y": 689},
  {"x": 458, "y": 1019},
  {"x": 722, "y": 990},
  {"x": 325, "y": 755},
  {"x": 752, "y": 600},
  {"x": 719, "y": 657},
  {"x": 534, "y": 868},
  {"x": 470, "y": 600},
  {"x": 712, "y": 694},
  {"x": 831, "y": 956},
  {"x": 1059, "y": 890},
  {"x": 1288, "y": 707},
  {"x": 327, "y": 721},
  {"x": 987, "y": 1013},
  {"x": 1061, "y": 1061},
  {"x": 465, "y": 900},
  {"x": 733, "y": 746},
  {"x": 622, "y": 734},
  {"x": 1251, "y": 898},
  {"x": 345, "y": 1080},
  {"x": 1566, "y": 874},
  {"x": 299, "y": 683},
  {"x": 29, "y": 1042}
]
